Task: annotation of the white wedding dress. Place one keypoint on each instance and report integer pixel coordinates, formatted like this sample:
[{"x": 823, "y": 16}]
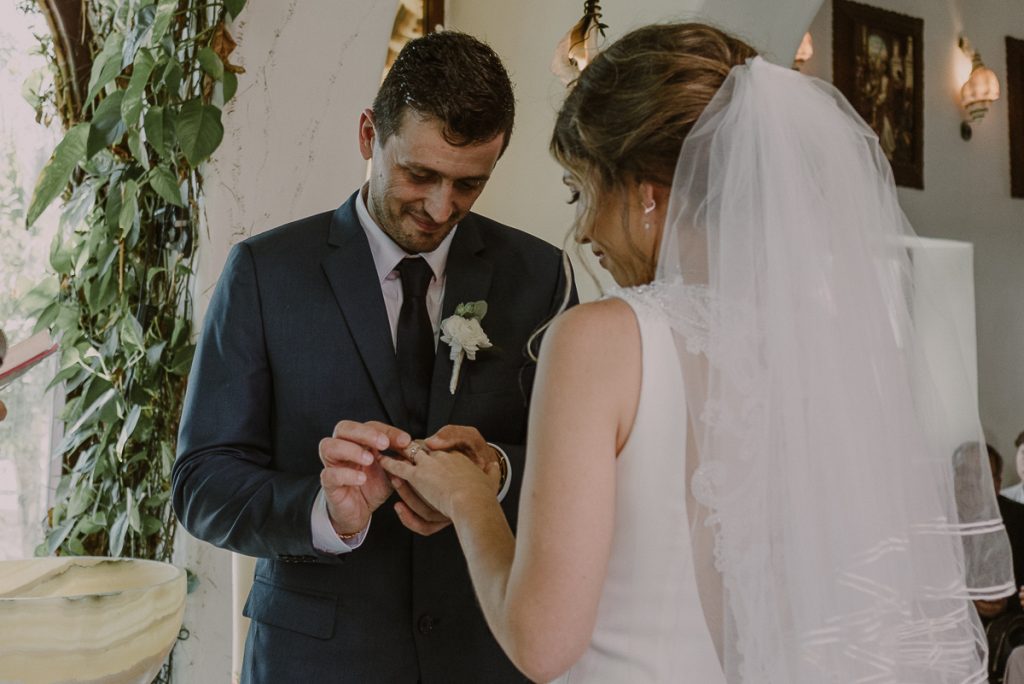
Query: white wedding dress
[{"x": 651, "y": 625}]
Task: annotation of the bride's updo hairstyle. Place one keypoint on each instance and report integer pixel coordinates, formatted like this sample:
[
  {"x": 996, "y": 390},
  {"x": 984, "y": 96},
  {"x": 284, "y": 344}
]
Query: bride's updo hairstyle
[{"x": 626, "y": 116}]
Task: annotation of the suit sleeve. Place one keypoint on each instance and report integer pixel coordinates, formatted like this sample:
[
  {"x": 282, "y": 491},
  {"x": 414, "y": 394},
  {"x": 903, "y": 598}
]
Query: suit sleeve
[{"x": 224, "y": 490}]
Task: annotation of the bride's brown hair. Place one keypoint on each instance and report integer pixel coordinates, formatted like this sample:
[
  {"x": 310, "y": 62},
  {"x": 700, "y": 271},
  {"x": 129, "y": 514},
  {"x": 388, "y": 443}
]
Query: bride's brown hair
[{"x": 626, "y": 116}]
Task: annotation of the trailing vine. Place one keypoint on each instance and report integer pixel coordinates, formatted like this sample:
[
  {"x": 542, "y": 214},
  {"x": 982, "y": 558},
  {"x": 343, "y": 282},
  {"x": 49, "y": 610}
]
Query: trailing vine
[{"x": 128, "y": 168}]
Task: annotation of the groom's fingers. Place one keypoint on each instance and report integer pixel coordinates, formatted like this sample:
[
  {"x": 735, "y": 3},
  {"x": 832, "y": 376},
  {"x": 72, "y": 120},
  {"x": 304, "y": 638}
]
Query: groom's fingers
[
  {"x": 372, "y": 434},
  {"x": 332, "y": 478},
  {"x": 338, "y": 452},
  {"x": 416, "y": 523}
]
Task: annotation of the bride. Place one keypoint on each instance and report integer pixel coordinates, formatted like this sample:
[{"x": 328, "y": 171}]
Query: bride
[{"x": 730, "y": 478}]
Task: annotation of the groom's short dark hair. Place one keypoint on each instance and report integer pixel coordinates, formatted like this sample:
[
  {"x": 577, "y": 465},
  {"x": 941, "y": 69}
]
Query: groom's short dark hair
[{"x": 454, "y": 78}]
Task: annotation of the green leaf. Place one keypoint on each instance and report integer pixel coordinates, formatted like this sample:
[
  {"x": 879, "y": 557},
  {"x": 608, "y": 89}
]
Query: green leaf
[
  {"x": 134, "y": 519},
  {"x": 159, "y": 127},
  {"x": 199, "y": 130},
  {"x": 475, "y": 310},
  {"x": 56, "y": 536},
  {"x": 40, "y": 296},
  {"x": 154, "y": 352},
  {"x": 100, "y": 165},
  {"x": 230, "y": 85},
  {"x": 138, "y": 149},
  {"x": 67, "y": 319},
  {"x": 107, "y": 64},
  {"x": 75, "y": 546},
  {"x": 81, "y": 497},
  {"x": 81, "y": 202},
  {"x": 131, "y": 333},
  {"x": 166, "y": 459},
  {"x": 66, "y": 374},
  {"x": 172, "y": 78},
  {"x": 60, "y": 255},
  {"x": 55, "y": 175},
  {"x": 107, "y": 125},
  {"x": 91, "y": 524},
  {"x": 117, "y": 533},
  {"x": 234, "y": 7},
  {"x": 182, "y": 362},
  {"x": 131, "y": 106},
  {"x": 32, "y": 89},
  {"x": 48, "y": 316},
  {"x": 151, "y": 525},
  {"x": 112, "y": 214},
  {"x": 162, "y": 20},
  {"x": 165, "y": 183},
  {"x": 129, "y": 207},
  {"x": 143, "y": 21},
  {"x": 211, "y": 63},
  {"x": 89, "y": 412}
]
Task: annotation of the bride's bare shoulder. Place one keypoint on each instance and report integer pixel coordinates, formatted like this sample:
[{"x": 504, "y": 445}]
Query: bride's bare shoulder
[{"x": 601, "y": 328}]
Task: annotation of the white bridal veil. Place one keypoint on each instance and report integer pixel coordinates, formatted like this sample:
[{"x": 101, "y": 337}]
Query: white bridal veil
[{"x": 827, "y": 472}]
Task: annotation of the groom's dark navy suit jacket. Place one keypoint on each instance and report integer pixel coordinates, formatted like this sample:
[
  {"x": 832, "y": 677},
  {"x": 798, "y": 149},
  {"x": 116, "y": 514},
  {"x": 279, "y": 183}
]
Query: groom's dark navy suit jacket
[{"x": 296, "y": 339}]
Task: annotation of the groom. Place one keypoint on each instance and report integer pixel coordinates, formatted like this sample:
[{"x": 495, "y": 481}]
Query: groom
[{"x": 320, "y": 351}]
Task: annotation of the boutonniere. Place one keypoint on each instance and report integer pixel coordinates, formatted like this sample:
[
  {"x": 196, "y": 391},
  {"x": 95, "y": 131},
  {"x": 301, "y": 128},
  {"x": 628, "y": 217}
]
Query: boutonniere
[{"x": 462, "y": 332}]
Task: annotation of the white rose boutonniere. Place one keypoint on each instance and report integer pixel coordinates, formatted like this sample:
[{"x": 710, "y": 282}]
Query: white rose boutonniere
[{"x": 462, "y": 332}]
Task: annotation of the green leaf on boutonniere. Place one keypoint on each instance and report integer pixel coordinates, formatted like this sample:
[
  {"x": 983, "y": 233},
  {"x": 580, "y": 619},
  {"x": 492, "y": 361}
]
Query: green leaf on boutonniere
[{"x": 475, "y": 310}]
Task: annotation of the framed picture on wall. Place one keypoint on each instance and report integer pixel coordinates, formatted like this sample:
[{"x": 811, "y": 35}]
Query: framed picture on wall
[
  {"x": 413, "y": 19},
  {"x": 877, "y": 64},
  {"x": 1015, "y": 101}
]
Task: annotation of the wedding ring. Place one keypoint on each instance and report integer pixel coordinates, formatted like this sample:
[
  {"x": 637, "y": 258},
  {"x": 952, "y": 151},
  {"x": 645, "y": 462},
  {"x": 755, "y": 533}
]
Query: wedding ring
[{"x": 412, "y": 450}]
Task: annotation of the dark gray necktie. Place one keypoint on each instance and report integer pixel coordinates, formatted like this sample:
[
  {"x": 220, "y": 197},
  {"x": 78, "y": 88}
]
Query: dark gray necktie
[{"x": 415, "y": 343}]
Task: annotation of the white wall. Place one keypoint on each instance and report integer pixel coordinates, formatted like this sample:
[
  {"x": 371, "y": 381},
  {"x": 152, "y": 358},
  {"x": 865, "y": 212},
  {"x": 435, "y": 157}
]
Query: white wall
[{"x": 966, "y": 192}]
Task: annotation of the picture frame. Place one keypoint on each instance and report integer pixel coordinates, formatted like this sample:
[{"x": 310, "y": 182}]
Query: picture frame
[
  {"x": 877, "y": 62},
  {"x": 1015, "y": 102},
  {"x": 413, "y": 19}
]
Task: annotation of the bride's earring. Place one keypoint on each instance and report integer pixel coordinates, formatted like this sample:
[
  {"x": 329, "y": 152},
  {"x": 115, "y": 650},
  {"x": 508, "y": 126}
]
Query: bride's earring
[{"x": 647, "y": 210}]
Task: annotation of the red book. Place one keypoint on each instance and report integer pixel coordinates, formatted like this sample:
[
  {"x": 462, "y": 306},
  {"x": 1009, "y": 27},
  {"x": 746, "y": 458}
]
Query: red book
[{"x": 24, "y": 355}]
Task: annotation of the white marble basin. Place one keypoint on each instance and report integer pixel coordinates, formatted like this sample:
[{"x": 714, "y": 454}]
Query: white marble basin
[{"x": 75, "y": 619}]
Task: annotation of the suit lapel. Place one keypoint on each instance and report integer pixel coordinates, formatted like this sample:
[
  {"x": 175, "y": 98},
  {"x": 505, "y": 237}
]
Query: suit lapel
[
  {"x": 467, "y": 279},
  {"x": 353, "y": 278}
]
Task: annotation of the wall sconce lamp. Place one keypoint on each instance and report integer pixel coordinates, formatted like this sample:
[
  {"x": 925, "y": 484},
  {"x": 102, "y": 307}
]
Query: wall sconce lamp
[
  {"x": 980, "y": 89},
  {"x": 580, "y": 45},
  {"x": 804, "y": 52}
]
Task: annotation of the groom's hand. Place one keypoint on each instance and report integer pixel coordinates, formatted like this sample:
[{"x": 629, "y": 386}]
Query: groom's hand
[{"x": 354, "y": 483}]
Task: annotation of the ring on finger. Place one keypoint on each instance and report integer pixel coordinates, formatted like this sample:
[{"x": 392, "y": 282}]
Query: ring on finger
[{"x": 412, "y": 450}]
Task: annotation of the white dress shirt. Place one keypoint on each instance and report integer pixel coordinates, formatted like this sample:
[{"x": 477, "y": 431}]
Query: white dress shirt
[
  {"x": 1015, "y": 492},
  {"x": 386, "y": 257}
]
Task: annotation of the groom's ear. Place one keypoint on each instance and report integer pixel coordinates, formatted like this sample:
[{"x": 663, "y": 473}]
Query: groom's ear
[{"x": 367, "y": 134}]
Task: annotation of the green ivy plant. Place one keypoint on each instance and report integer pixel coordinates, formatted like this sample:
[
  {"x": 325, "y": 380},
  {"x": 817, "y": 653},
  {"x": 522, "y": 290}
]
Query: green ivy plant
[{"x": 120, "y": 301}]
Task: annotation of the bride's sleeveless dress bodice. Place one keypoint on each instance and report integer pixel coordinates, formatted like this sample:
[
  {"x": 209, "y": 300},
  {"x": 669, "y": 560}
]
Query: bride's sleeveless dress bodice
[{"x": 650, "y": 624}]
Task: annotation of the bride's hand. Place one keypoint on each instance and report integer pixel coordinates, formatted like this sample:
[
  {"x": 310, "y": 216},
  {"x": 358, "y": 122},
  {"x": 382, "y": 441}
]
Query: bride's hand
[{"x": 442, "y": 477}]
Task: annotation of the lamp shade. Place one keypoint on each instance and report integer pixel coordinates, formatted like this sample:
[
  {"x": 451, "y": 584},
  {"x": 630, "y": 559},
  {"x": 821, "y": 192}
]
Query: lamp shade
[{"x": 979, "y": 90}]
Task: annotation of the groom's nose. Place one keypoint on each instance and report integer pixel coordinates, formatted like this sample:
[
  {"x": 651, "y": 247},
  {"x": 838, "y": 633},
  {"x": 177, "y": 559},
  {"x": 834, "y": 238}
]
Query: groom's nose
[{"x": 440, "y": 202}]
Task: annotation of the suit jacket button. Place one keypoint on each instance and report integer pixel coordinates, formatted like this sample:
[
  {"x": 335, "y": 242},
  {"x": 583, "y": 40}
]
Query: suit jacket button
[{"x": 426, "y": 624}]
